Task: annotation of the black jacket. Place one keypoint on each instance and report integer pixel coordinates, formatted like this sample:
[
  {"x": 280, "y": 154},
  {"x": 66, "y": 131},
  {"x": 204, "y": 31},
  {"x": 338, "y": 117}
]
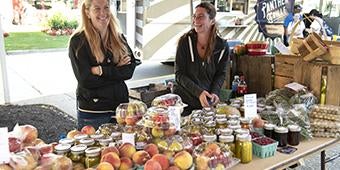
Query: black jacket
[
  {"x": 193, "y": 74},
  {"x": 103, "y": 93}
]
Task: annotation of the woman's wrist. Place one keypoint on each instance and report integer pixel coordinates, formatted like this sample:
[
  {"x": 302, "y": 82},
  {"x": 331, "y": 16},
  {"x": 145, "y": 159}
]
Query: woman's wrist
[{"x": 100, "y": 70}]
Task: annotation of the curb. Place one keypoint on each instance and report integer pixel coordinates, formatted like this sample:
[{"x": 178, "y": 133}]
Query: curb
[{"x": 15, "y": 52}]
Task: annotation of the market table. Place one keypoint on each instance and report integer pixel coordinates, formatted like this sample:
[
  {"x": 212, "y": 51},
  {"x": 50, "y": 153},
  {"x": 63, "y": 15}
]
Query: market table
[{"x": 280, "y": 160}]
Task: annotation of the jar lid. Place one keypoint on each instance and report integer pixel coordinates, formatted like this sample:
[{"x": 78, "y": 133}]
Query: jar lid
[
  {"x": 210, "y": 113},
  {"x": 234, "y": 116},
  {"x": 196, "y": 113},
  {"x": 105, "y": 141},
  {"x": 66, "y": 141},
  {"x": 233, "y": 122},
  {"x": 209, "y": 138},
  {"x": 294, "y": 128},
  {"x": 78, "y": 148},
  {"x": 116, "y": 134},
  {"x": 245, "y": 120},
  {"x": 207, "y": 109},
  {"x": 234, "y": 127},
  {"x": 221, "y": 120},
  {"x": 92, "y": 151},
  {"x": 220, "y": 116},
  {"x": 241, "y": 131},
  {"x": 80, "y": 136},
  {"x": 96, "y": 136},
  {"x": 62, "y": 147},
  {"x": 226, "y": 131},
  {"x": 210, "y": 123},
  {"x": 221, "y": 105},
  {"x": 269, "y": 126},
  {"x": 87, "y": 141},
  {"x": 268, "y": 107},
  {"x": 208, "y": 118},
  {"x": 226, "y": 138},
  {"x": 237, "y": 105},
  {"x": 243, "y": 137},
  {"x": 281, "y": 129},
  {"x": 196, "y": 120}
]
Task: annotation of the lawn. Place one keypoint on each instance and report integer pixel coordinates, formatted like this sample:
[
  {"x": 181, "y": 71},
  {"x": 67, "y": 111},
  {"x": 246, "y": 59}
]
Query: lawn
[{"x": 34, "y": 40}]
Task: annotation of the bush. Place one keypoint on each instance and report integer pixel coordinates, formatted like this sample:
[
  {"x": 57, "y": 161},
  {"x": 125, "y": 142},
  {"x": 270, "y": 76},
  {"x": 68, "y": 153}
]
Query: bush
[
  {"x": 57, "y": 21},
  {"x": 59, "y": 25}
]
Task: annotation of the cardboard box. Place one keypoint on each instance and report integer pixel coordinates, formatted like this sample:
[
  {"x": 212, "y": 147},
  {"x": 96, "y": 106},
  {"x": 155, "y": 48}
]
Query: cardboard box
[{"x": 284, "y": 69}]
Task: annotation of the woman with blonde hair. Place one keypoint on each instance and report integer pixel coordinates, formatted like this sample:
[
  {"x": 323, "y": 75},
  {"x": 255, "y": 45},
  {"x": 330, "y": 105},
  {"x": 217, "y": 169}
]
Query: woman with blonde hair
[
  {"x": 101, "y": 60},
  {"x": 201, "y": 61}
]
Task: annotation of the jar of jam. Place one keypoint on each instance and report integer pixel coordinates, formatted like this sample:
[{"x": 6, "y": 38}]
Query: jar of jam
[
  {"x": 78, "y": 137},
  {"x": 245, "y": 123},
  {"x": 269, "y": 130},
  {"x": 280, "y": 135},
  {"x": 67, "y": 141},
  {"x": 92, "y": 157},
  {"x": 294, "y": 135},
  {"x": 221, "y": 123},
  {"x": 78, "y": 153},
  {"x": 95, "y": 137},
  {"x": 229, "y": 140},
  {"x": 88, "y": 142},
  {"x": 62, "y": 149}
]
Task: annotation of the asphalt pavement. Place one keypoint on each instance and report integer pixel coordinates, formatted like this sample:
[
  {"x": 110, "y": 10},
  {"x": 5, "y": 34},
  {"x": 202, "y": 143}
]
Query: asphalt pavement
[{"x": 46, "y": 77}]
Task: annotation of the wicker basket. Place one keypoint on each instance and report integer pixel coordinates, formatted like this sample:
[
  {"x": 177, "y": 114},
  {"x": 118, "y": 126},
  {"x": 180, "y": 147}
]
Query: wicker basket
[{"x": 333, "y": 55}]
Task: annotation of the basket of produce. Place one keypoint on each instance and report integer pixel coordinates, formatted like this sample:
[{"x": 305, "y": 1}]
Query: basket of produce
[
  {"x": 257, "y": 47},
  {"x": 264, "y": 147}
]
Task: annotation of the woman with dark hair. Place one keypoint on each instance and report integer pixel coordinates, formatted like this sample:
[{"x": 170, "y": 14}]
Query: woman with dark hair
[
  {"x": 201, "y": 61},
  {"x": 101, "y": 60}
]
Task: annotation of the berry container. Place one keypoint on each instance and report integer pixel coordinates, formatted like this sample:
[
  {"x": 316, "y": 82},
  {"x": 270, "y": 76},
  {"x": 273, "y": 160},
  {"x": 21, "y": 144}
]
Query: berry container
[{"x": 264, "y": 151}]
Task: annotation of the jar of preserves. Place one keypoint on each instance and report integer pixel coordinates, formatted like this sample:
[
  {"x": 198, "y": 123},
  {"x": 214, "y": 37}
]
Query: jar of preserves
[
  {"x": 229, "y": 140},
  {"x": 78, "y": 153},
  {"x": 211, "y": 127},
  {"x": 245, "y": 123},
  {"x": 243, "y": 148},
  {"x": 95, "y": 137},
  {"x": 92, "y": 157},
  {"x": 233, "y": 122},
  {"x": 88, "y": 142},
  {"x": 233, "y": 117},
  {"x": 280, "y": 135},
  {"x": 241, "y": 131},
  {"x": 221, "y": 123},
  {"x": 103, "y": 142},
  {"x": 294, "y": 135},
  {"x": 220, "y": 116},
  {"x": 67, "y": 141},
  {"x": 62, "y": 149},
  {"x": 78, "y": 137},
  {"x": 269, "y": 130},
  {"x": 226, "y": 131}
]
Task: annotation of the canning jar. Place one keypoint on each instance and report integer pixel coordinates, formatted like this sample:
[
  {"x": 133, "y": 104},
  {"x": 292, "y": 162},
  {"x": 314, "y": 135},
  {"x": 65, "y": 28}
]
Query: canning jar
[
  {"x": 294, "y": 135},
  {"x": 78, "y": 137},
  {"x": 209, "y": 138},
  {"x": 62, "y": 149},
  {"x": 269, "y": 130},
  {"x": 92, "y": 157},
  {"x": 229, "y": 140},
  {"x": 221, "y": 123},
  {"x": 88, "y": 142},
  {"x": 67, "y": 141},
  {"x": 243, "y": 148},
  {"x": 211, "y": 127},
  {"x": 96, "y": 137},
  {"x": 280, "y": 135},
  {"x": 103, "y": 142},
  {"x": 225, "y": 131},
  {"x": 78, "y": 153},
  {"x": 245, "y": 123}
]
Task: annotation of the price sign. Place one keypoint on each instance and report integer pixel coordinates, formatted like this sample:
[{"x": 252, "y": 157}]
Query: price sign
[
  {"x": 250, "y": 105},
  {"x": 4, "y": 145},
  {"x": 128, "y": 138},
  {"x": 175, "y": 116}
]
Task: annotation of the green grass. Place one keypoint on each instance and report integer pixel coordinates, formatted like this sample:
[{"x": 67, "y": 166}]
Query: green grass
[{"x": 34, "y": 40}]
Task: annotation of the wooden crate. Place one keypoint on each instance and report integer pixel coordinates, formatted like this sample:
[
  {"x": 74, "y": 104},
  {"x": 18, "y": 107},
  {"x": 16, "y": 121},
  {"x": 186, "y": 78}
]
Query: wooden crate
[
  {"x": 284, "y": 69},
  {"x": 257, "y": 71},
  {"x": 147, "y": 94},
  {"x": 309, "y": 74}
]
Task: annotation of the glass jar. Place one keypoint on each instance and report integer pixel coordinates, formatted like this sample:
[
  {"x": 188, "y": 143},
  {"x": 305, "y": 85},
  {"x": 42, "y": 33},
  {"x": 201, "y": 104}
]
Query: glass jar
[
  {"x": 243, "y": 148},
  {"x": 78, "y": 137},
  {"x": 220, "y": 116},
  {"x": 62, "y": 149},
  {"x": 269, "y": 130},
  {"x": 67, "y": 141},
  {"x": 78, "y": 153},
  {"x": 209, "y": 138},
  {"x": 245, "y": 123},
  {"x": 221, "y": 123},
  {"x": 95, "y": 137},
  {"x": 226, "y": 131},
  {"x": 116, "y": 136},
  {"x": 196, "y": 126},
  {"x": 294, "y": 135},
  {"x": 142, "y": 139},
  {"x": 88, "y": 142},
  {"x": 221, "y": 109},
  {"x": 241, "y": 131},
  {"x": 233, "y": 117},
  {"x": 92, "y": 157},
  {"x": 280, "y": 135},
  {"x": 103, "y": 142},
  {"x": 229, "y": 140},
  {"x": 211, "y": 126}
]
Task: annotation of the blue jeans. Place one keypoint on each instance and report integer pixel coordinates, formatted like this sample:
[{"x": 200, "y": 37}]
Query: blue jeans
[{"x": 94, "y": 119}]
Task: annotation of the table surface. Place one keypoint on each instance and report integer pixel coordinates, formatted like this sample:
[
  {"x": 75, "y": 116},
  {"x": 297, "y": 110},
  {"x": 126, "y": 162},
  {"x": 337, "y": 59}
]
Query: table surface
[{"x": 280, "y": 160}]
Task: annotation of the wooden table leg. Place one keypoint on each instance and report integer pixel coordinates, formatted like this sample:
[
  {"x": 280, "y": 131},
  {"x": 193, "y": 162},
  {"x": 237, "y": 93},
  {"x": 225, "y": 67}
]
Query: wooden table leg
[{"x": 323, "y": 160}]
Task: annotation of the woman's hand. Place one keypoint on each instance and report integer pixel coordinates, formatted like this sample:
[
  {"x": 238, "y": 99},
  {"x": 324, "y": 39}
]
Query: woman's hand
[
  {"x": 215, "y": 99},
  {"x": 97, "y": 70},
  {"x": 204, "y": 97},
  {"x": 124, "y": 61}
]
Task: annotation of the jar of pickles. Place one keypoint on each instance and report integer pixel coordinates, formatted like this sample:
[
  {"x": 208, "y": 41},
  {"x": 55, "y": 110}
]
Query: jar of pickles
[
  {"x": 78, "y": 137},
  {"x": 67, "y": 141},
  {"x": 62, "y": 149},
  {"x": 88, "y": 142},
  {"x": 225, "y": 131},
  {"x": 92, "y": 157},
  {"x": 210, "y": 127},
  {"x": 95, "y": 137},
  {"x": 243, "y": 148},
  {"x": 221, "y": 123},
  {"x": 196, "y": 126},
  {"x": 103, "y": 142},
  {"x": 78, "y": 153},
  {"x": 280, "y": 135},
  {"x": 294, "y": 135},
  {"x": 269, "y": 130},
  {"x": 229, "y": 140}
]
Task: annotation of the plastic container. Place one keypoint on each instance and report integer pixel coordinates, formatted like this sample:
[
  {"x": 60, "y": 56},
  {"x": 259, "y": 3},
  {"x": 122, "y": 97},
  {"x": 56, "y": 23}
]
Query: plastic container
[
  {"x": 265, "y": 151},
  {"x": 130, "y": 113}
]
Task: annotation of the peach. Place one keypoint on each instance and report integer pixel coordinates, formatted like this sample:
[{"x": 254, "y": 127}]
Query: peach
[
  {"x": 151, "y": 148},
  {"x": 131, "y": 120},
  {"x": 220, "y": 167},
  {"x": 31, "y": 133},
  {"x": 88, "y": 129},
  {"x": 162, "y": 160},
  {"x": 104, "y": 166},
  {"x": 111, "y": 158},
  {"x": 125, "y": 163},
  {"x": 140, "y": 157},
  {"x": 110, "y": 149},
  {"x": 127, "y": 150},
  {"x": 183, "y": 160},
  {"x": 173, "y": 168},
  {"x": 72, "y": 133},
  {"x": 170, "y": 132},
  {"x": 152, "y": 165},
  {"x": 202, "y": 162}
]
